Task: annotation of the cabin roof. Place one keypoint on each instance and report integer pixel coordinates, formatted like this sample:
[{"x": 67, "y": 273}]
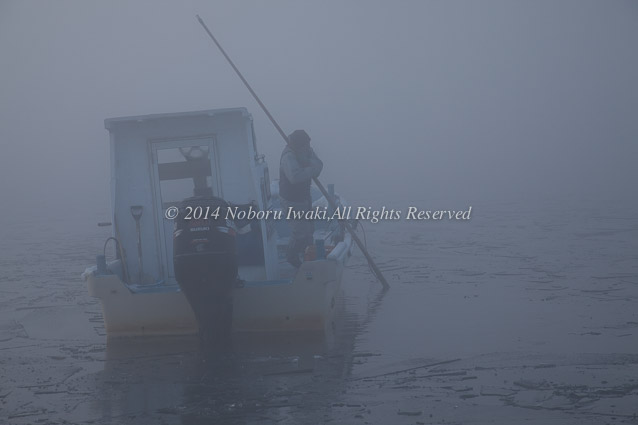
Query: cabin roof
[{"x": 111, "y": 122}]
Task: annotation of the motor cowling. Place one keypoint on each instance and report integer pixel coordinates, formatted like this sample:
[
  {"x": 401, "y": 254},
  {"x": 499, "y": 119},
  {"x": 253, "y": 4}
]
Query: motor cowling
[{"x": 201, "y": 227}]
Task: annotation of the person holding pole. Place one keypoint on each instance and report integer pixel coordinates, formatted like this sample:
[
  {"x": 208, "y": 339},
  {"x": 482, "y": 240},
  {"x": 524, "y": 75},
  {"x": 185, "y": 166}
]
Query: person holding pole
[
  {"x": 375, "y": 269},
  {"x": 298, "y": 166}
]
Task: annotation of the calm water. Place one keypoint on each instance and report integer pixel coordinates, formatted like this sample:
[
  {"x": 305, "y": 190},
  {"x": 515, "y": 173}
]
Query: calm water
[{"x": 526, "y": 313}]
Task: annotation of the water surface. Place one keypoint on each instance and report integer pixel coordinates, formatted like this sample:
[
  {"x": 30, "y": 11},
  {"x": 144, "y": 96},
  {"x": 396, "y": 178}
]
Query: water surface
[{"x": 524, "y": 314}]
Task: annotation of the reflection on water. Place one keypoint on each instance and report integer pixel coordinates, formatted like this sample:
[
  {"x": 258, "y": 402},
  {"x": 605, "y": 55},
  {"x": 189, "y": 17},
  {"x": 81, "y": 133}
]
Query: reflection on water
[{"x": 264, "y": 378}]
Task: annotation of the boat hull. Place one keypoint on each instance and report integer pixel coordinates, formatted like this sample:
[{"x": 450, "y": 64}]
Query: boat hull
[{"x": 305, "y": 303}]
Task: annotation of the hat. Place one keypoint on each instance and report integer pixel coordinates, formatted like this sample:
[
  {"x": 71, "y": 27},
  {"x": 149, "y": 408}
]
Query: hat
[{"x": 299, "y": 138}]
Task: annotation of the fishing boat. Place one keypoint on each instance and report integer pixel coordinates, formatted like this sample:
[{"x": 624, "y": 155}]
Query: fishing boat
[{"x": 156, "y": 163}]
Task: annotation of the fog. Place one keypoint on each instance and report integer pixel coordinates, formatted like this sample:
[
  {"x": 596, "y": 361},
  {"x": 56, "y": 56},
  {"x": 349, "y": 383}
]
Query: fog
[
  {"x": 526, "y": 111},
  {"x": 442, "y": 100}
]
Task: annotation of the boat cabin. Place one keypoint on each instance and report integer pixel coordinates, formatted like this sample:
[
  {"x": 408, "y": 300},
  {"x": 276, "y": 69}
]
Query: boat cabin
[{"x": 159, "y": 160}]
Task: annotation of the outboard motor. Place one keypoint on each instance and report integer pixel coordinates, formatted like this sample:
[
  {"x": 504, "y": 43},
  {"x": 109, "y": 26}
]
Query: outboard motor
[{"x": 205, "y": 261}]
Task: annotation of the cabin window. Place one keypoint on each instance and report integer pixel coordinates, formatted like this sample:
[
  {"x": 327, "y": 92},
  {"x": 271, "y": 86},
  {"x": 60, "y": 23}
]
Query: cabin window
[
  {"x": 182, "y": 169},
  {"x": 183, "y": 172}
]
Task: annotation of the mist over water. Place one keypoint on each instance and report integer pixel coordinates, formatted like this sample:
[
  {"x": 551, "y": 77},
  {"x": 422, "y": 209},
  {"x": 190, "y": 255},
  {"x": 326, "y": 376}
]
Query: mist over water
[
  {"x": 524, "y": 111},
  {"x": 489, "y": 100}
]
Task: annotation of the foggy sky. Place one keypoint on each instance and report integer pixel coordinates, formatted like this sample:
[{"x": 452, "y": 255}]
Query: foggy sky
[{"x": 460, "y": 100}]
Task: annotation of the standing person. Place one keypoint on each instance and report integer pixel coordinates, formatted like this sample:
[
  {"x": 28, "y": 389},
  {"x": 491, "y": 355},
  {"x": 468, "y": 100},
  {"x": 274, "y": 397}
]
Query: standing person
[{"x": 298, "y": 166}]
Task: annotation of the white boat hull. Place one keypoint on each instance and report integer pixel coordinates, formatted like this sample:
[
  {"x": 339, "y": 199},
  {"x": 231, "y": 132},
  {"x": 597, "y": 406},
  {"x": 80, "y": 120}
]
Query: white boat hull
[{"x": 307, "y": 303}]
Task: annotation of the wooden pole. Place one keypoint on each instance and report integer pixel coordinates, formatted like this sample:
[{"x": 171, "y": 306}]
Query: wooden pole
[{"x": 323, "y": 190}]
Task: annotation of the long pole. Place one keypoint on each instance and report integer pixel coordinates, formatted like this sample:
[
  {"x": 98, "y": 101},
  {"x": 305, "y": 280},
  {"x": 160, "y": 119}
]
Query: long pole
[{"x": 323, "y": 190}]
